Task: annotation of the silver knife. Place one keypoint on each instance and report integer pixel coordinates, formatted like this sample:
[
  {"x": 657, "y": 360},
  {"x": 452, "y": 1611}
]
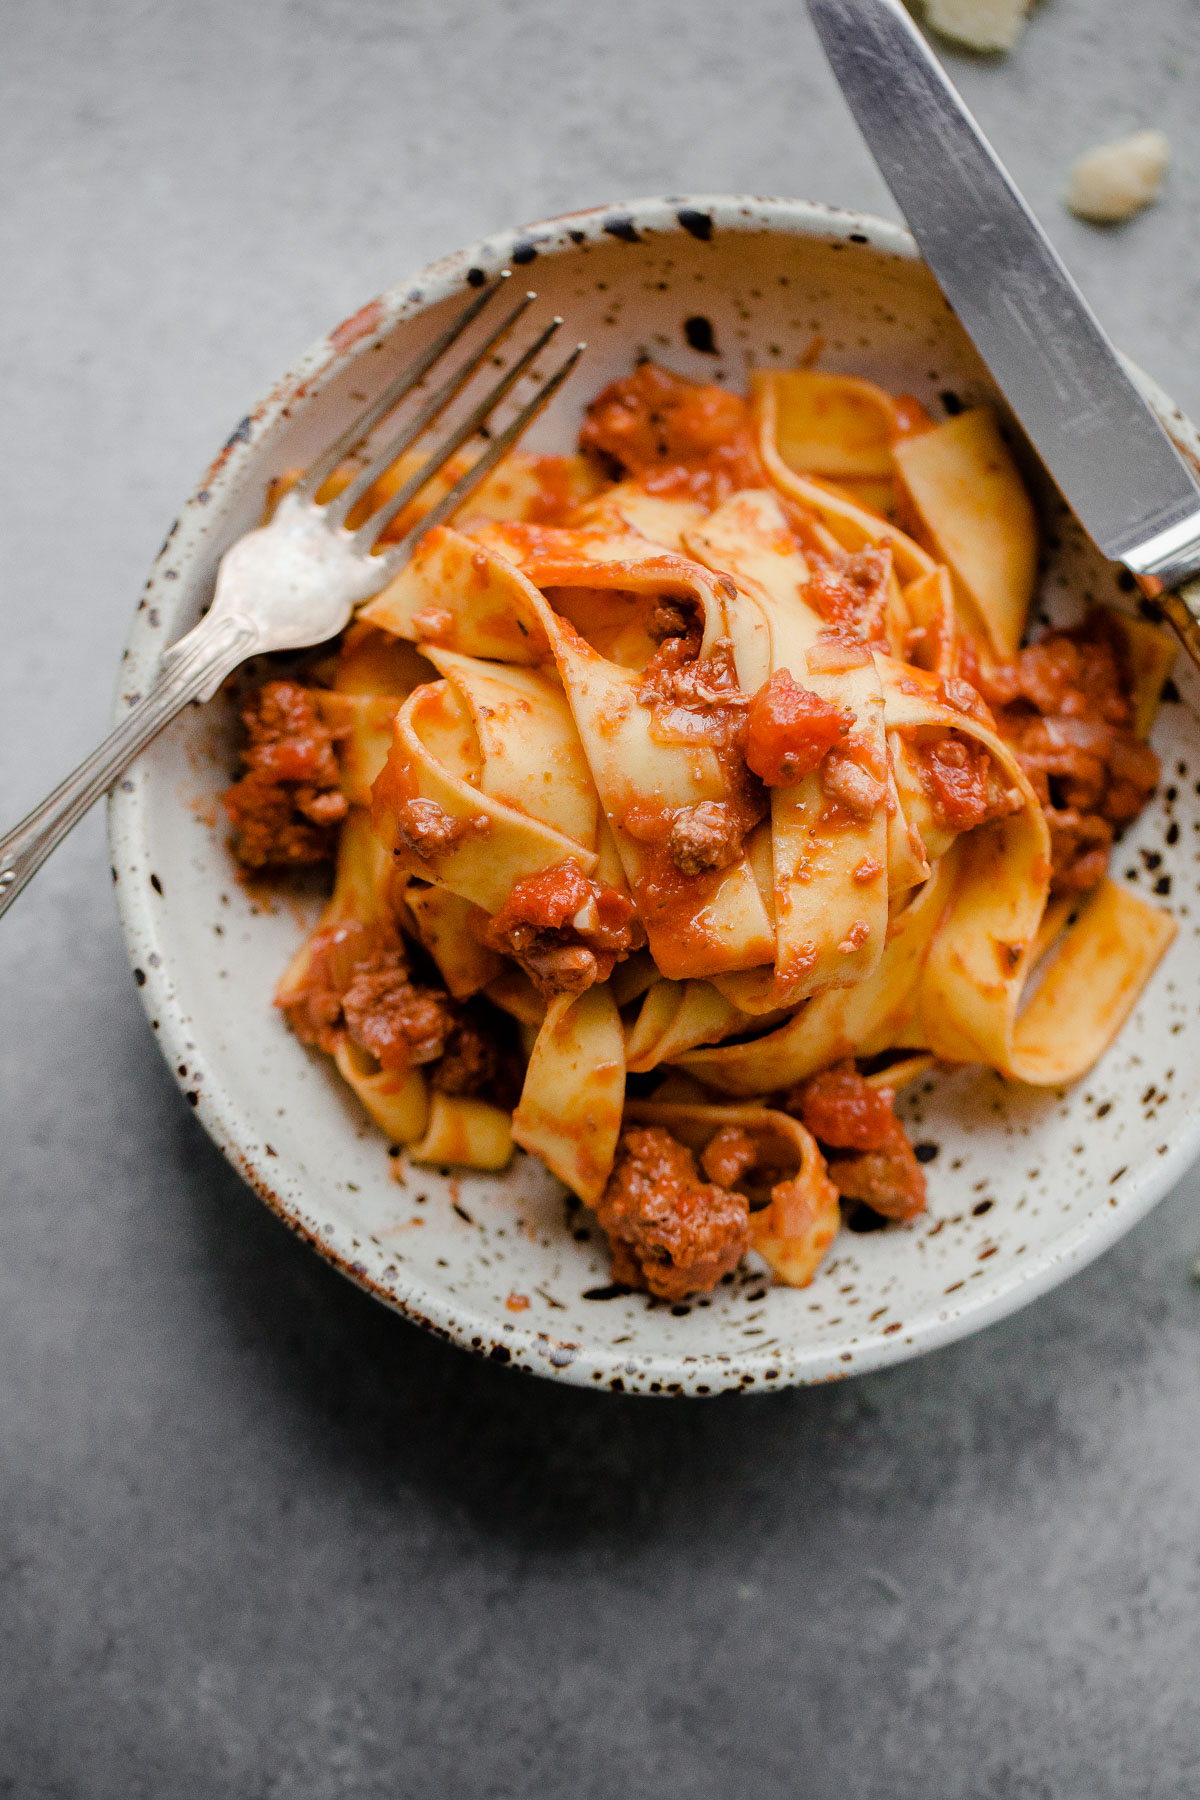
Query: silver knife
[{"x": 1129, "y": 486}]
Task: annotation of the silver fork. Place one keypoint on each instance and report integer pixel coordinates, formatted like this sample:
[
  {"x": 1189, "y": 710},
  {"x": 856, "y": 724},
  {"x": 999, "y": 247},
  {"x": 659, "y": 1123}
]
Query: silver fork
[{"x": 296, "y": 580}]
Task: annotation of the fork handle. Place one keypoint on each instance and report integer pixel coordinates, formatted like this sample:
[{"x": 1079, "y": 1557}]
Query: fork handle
[{"x": 193, "y": 669}]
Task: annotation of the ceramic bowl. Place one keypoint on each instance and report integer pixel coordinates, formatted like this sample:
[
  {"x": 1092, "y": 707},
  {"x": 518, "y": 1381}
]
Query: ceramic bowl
[{"x": 1025, "y": 1185}]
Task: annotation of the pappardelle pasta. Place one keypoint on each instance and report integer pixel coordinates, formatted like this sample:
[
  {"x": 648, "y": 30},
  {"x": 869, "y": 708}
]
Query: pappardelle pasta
[{"x": 692, "y": 794}]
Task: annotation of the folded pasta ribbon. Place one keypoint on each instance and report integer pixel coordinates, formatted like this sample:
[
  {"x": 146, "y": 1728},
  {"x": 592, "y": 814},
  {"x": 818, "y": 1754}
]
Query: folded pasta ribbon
[
  {"x": 648, "y": 769},
  {"x": 571, "y": 1104},
  {"x": 825, "y": 438},
  {"x": 459, "y": 804},
  {"x": 830, "y": 886}
]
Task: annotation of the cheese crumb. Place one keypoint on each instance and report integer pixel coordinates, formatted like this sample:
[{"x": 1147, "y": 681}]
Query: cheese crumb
[
  {"x": 981, "y": 24},
  {"x": 1114, "y": 181}
]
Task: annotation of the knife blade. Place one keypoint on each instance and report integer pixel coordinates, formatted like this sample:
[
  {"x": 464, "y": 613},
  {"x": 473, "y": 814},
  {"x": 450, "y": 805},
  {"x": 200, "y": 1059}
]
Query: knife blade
[{"x": 1130, "y": 488}]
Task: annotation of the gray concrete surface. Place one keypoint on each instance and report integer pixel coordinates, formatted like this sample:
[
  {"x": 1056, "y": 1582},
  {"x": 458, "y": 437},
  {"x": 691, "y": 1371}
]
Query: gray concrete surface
[{"x": 257, "y": 1537}]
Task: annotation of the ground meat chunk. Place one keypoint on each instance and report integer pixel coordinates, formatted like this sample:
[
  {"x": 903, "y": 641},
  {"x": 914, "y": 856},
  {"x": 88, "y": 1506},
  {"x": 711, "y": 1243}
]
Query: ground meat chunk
[
  {"x": 481, "y": 1056},
  {"x": 271, "y": 830},
  {"x": 670, "y": 1232},
  {"x": 674, "y": 436},
  {"x": 677, "y": 679},
  {"x": 698, "y": 700},
  {"x": 707, "y": 835},
  {"x": 1064, "y": 704},
  {"x": 470, "y": 1061},
  {"x": 1132, "y": 777},
  {"x": 428, "y": 830},
  {"x": 965, "y": 698},
  {"x": 852, "y": 592},
  {"x": 852, "y": 787},
  {"x": 337, "y": 955},
  {"x": 286, "y": 736},
  {"x": 1079, "y": 848},
  {"x": 845, "y": 1113},
  {"x": 790, "y": 729},
  {"x": 359, "y": 986},
  {"x": 399, "y": 1023},
  {"x": 286, "y": 807},
  {"x": 669, "y": 617},
  {"x": 565, "y": 931},
  {"x": 653, "y": 417},
  {"x": 890, "y": 1181}
]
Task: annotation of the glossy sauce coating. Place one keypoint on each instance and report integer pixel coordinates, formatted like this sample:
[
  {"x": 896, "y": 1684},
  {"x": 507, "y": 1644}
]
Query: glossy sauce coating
[{"x": 682, "y": 439}]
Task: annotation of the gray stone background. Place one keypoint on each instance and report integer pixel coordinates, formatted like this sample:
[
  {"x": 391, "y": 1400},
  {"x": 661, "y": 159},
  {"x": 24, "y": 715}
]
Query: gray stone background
[{"x": 257, "y": 1536}]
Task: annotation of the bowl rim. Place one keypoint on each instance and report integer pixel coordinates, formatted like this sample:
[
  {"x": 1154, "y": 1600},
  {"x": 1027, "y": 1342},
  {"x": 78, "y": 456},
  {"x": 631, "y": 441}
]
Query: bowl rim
[{"x": 184, "y": 563}]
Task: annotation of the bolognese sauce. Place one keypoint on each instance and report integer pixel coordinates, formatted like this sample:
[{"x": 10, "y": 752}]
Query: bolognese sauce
[
  {"x": 680, "y": 1218},
  {"x": 287, "y": 807}
]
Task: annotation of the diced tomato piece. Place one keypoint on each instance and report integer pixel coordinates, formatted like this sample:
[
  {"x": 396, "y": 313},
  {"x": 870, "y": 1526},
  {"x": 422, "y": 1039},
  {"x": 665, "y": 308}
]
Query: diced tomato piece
[
  {"x": 790, "y": 729},
  {"x": 844, "y": 1111},
  {"x": 956, "y": 773}
]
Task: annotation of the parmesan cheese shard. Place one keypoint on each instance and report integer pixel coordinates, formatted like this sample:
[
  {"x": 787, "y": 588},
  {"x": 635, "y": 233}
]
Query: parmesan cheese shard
[
  {"x": 1113, "y": 181},
  {"x": 980, "y": 24}
]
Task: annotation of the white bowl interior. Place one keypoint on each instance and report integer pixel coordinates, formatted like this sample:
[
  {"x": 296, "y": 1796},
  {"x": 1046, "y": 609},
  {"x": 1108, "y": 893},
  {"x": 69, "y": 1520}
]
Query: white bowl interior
[{"x": 1024, "y": 1185}]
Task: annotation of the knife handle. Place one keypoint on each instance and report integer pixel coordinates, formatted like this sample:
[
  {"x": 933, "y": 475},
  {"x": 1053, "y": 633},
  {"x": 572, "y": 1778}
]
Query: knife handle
[{"x": 1181, "y": 607}]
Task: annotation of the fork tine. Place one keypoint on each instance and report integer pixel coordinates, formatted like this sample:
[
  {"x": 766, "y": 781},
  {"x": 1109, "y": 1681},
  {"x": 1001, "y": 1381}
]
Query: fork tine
[
  {"x": 344, "y": 503},
  {"x": 319, "y": 472},
  {"x": 497, "y": 449},
  {"x": 368, "y": 532}
]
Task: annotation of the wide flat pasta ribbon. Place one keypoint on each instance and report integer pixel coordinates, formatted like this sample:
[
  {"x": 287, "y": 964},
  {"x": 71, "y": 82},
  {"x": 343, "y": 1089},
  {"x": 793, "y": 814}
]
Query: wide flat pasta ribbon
[
  {"x": 531, "y": 756},
  {"x": 830, "y": 885},
  {"x": 451, "y": 930},
  {"x": 915, "y": 703},
  {"x": 932, "y": 624},
  {"x": 397, "y": 1100},
  {"x": 854, "y": 527},
  {"x": 1089, "y": 986},
  {"x": 362, "y": 729},
  {"x": 861, "y": 1020},
  {"x": 973, "y": 1004},
  {"x": 838, "y": 428},
  {"x": 436, "y": 756},
  {"x": 627, "y": 507},
  {"x": 676, "y": 1016},
  {"x": 571, "y": 1104},
  {"x": 530, "y": 486},
  {"x": 472, "y": 1133},
  {"x": 696, "y": 925},
  {"x": 361, "y": 892},
  {"x": 456, "y": 593},
  {"x": 834, "y": 425},
  {"x": 974, "y": 982},
  {"x": 962, "y": 480}
]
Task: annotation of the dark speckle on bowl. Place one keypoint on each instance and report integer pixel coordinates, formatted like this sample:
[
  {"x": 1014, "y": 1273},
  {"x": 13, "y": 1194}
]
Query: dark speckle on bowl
[
  {"x": 700, "y": 224},
  {"x": 699, "y": 334},
  {"x": 621, "y": 225}
]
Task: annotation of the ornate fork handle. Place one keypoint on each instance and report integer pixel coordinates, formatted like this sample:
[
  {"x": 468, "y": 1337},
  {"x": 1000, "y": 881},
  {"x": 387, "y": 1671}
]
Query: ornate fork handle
[{"x": 192, "y": 670}]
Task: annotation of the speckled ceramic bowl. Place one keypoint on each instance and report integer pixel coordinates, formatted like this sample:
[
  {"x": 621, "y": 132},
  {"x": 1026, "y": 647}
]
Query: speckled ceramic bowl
[{"x": 1025, "y": 1186}]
